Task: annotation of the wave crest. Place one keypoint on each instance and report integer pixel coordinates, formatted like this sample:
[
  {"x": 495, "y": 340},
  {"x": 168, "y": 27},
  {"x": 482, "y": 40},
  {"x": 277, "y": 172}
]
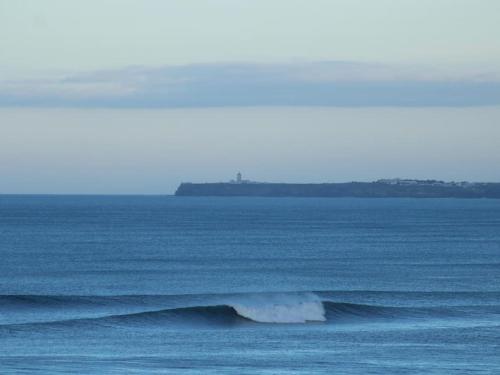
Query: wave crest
[{"x": 281, "y": 308}]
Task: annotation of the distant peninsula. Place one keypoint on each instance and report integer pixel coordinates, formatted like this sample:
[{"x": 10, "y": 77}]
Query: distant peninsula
[{"x": 385, "y": 188}]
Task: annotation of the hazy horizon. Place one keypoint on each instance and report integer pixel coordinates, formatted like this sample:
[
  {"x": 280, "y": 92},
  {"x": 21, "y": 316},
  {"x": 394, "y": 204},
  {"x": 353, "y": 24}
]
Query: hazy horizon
[
  {"x": 151, "y": 151},
  {"x": 136, "y": 97}
]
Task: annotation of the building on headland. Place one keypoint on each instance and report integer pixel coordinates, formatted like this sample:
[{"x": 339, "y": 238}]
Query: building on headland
[
  {"x": 240, "y": 180},
  {"x": 406, "y": 181}
]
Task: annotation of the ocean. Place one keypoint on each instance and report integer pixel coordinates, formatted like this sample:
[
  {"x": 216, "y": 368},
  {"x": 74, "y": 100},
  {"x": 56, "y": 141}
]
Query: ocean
[{"x": 199, "y": 285}]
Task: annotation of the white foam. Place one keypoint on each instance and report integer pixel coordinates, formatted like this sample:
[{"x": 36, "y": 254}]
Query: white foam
[{"x": 281, "y": 308}]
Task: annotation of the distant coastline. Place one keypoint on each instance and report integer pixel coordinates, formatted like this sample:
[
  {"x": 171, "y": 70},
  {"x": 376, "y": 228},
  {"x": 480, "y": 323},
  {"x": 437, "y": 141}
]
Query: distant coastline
[{"x": 384, "y": 188}]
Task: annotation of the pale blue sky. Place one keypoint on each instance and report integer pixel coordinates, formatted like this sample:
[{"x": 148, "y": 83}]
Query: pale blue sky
[
  {"x": 190, "y": 53},
  {"x": 72, "y": 36},
  {"x": 122, "y": 96},
  {"x": 152, "y": 151}
]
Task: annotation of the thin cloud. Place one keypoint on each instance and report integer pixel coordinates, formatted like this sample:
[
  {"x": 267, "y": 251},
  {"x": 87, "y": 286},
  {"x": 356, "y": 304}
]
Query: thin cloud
[{"x": 294, "y": 84}]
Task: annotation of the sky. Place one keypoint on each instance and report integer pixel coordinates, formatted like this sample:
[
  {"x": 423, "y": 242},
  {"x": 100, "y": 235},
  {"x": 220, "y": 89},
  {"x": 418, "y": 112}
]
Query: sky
[
  {"x": 75, "y": 36},
  {"x": 145, "y": 151},
  {"x": 122, "y": 96}
]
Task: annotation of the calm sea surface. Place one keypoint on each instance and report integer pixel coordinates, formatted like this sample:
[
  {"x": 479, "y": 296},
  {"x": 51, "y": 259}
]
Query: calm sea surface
[{"x": 178, "y": 285}]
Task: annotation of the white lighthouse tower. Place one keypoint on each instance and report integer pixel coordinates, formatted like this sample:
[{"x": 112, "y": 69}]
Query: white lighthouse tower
[{"x": 238, "y": 178}]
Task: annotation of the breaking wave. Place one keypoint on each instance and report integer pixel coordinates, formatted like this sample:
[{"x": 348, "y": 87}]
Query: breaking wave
[
  {"x": 282, "y": 308},
  {"x": 202, "y": 310}
]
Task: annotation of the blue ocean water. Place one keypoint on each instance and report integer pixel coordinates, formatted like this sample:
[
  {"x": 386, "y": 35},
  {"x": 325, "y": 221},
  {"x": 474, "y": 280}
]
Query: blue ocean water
[{"x": 181, "y": 285}]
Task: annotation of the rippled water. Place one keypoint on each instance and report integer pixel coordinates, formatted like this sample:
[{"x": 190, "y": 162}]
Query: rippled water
[{"x": 172, "y": 285}]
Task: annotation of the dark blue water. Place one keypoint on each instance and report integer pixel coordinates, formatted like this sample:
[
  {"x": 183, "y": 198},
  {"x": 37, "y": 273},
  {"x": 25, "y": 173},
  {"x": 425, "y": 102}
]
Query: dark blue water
[{"x": 170, "y": 285}]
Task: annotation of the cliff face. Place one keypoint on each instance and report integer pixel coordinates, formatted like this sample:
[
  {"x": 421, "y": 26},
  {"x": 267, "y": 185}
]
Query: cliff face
[{"x": 351, "y": 189}]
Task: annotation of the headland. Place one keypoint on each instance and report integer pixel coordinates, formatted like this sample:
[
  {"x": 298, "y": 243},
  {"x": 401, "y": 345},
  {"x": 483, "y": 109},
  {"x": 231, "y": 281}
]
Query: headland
[{"x": 384, "y": 188}]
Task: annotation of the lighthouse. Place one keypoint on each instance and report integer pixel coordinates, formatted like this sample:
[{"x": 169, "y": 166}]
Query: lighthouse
[{"x": 238, "y": 178}]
